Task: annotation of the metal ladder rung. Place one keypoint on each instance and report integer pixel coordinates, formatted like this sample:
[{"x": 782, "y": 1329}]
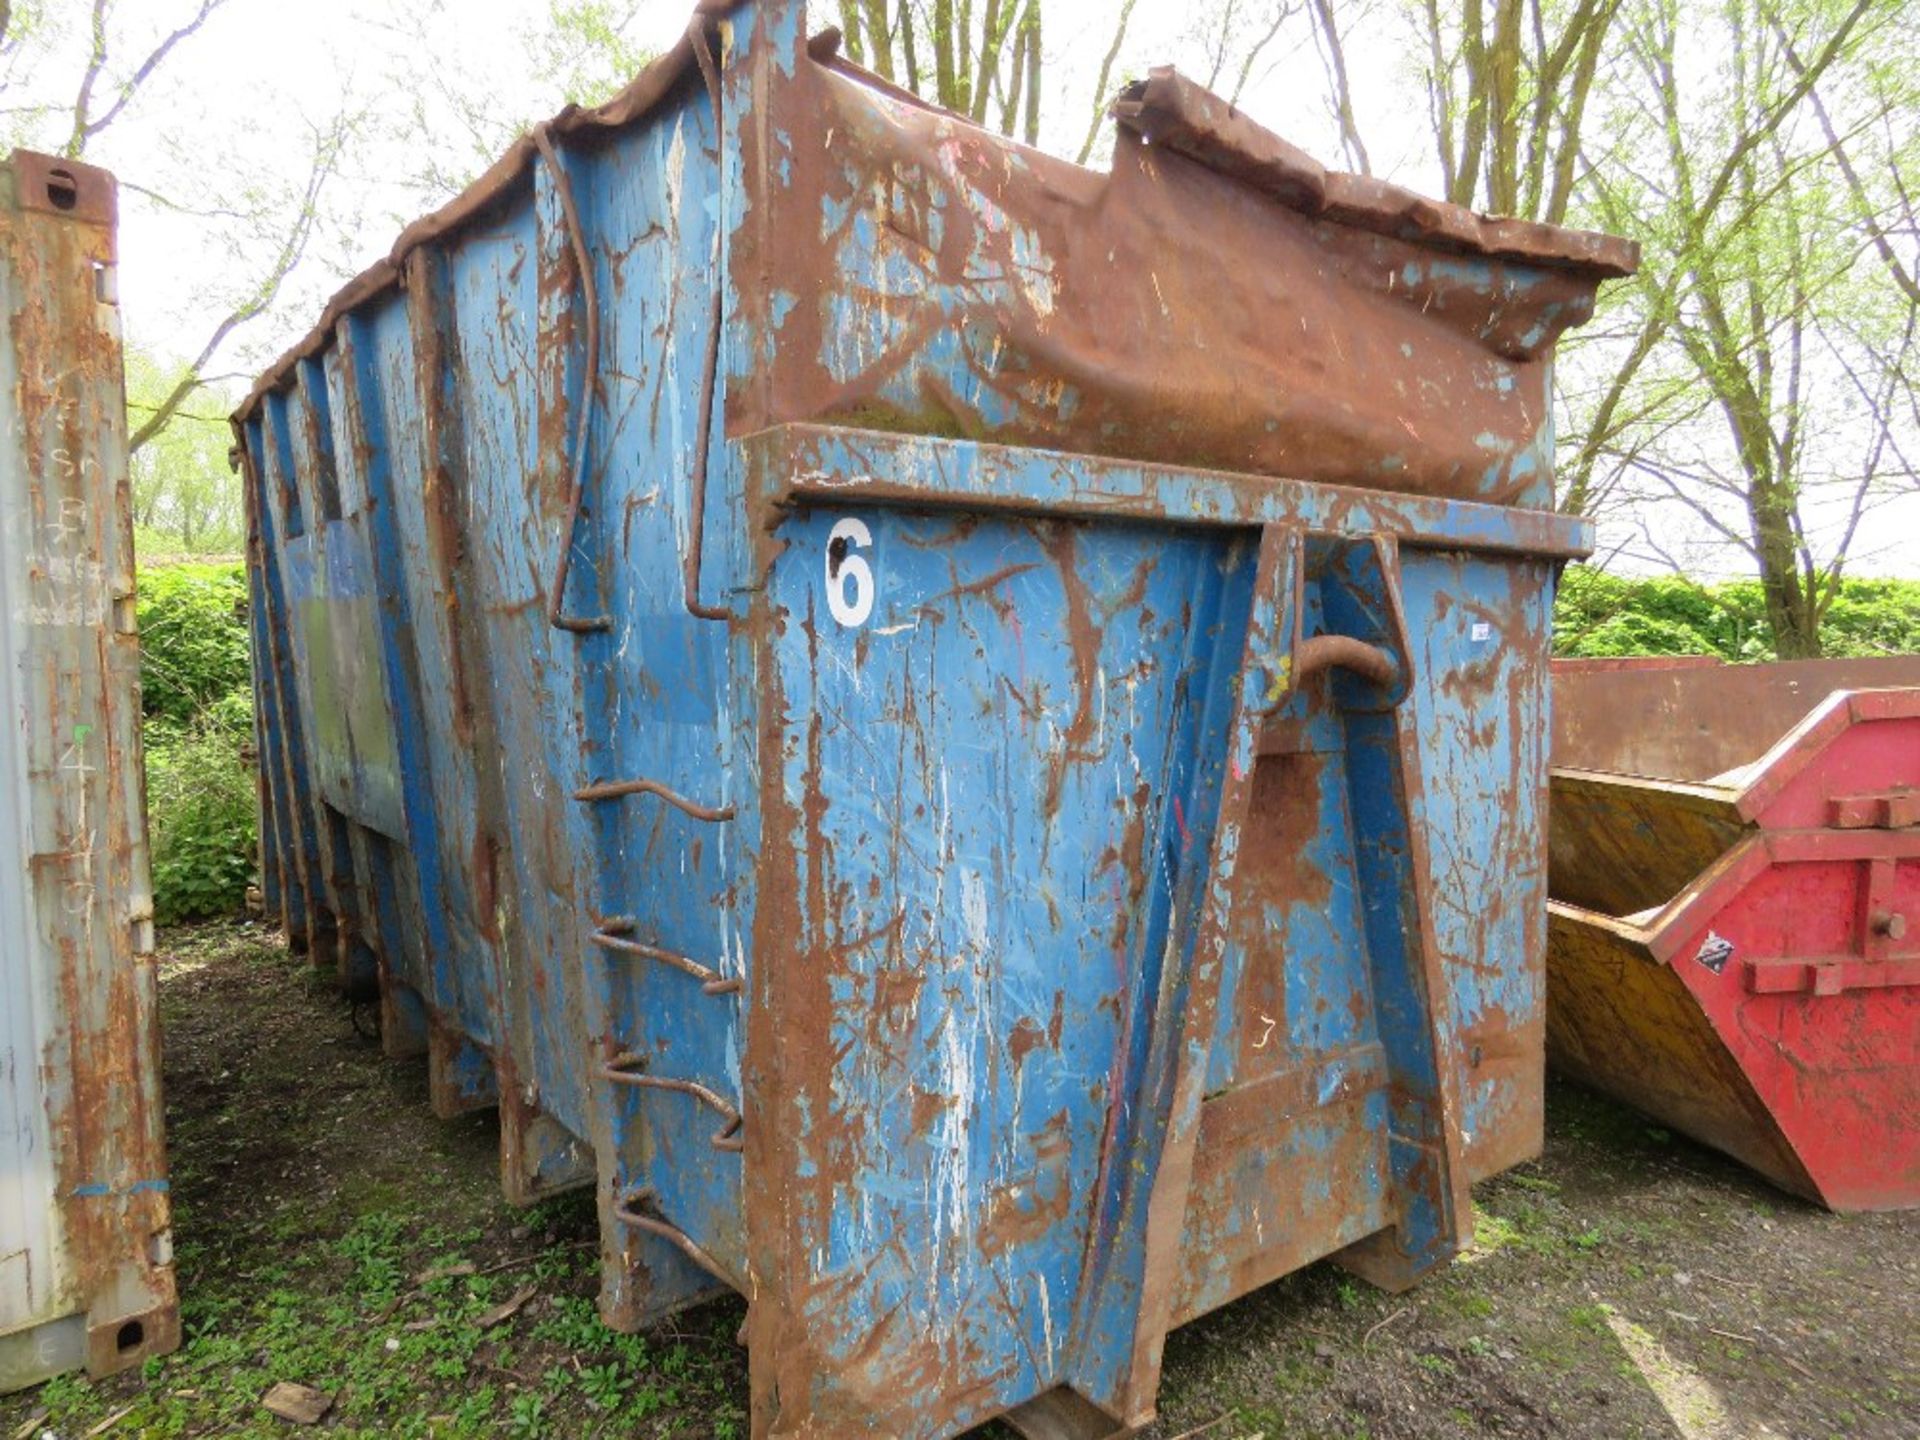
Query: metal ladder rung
[
  {"x": 615, "y": 789},
  {"x": 620, "y": 1070},
  {"x": 711, "y": 981},
  {"x": 626, "y": 1211}
]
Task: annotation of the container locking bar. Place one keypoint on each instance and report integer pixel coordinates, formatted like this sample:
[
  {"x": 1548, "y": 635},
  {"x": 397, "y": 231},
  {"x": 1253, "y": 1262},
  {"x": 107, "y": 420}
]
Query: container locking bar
[
  {"x": 1833, "y": 975},
  {"x": 1893, "y": 809},
  {"x": 627, "y": 1069}
]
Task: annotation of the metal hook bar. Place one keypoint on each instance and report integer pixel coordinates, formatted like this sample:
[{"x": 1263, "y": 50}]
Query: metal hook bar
[
  {"x": 615, "y": 789},
  {"x": 710, "y": 368},
  {"x": 626, "y": 1211},
  {"x": 711, "y": 981},
  {"x": 1323, "y": 652},
  {"x": 1379, "y": 664}
]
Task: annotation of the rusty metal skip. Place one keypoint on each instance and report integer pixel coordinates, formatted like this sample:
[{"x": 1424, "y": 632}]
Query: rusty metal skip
[
  {"x": 1734, "y": 939},
  {"x": 962, "y": 738}
]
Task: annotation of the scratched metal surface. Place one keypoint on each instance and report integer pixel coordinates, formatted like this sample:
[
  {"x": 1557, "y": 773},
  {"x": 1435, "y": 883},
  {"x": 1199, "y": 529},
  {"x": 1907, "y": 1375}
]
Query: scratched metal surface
[
  {"x": 86, "y": 1274},
  {"x": 1676, "y": 720},
  {"x": 901, "y": 725}
]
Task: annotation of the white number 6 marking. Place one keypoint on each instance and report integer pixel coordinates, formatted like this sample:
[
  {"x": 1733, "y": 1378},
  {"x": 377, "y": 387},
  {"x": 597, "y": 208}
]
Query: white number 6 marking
[{"x": 849, "y": 580}]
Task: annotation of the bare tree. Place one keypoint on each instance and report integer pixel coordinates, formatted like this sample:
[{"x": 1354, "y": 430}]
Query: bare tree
[
  {"x": 1232, "y": 36},
  {"x": 1756, "y": 213},
  {"x": 1333, "y": 55},
  {"x": 580, "y": 51},
  {"x": 88, "y": 121},
  {"x": 984, "y": 60},
  {"x": 328, "y": 147},
  {"x": 1103, "y": 88},
  {"x": 1510, "y": 82},
  {"x": 987, "y": 59},
  {"x": 113, "y": 77}
]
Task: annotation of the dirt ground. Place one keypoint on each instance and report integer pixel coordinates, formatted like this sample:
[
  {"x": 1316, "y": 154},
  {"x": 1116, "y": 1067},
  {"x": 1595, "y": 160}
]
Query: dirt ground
[{"x": 331, "y": 1232}]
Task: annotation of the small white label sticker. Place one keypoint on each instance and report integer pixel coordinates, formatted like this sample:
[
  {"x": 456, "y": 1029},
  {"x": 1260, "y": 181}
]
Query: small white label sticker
[{"x": 1482, "y": 632}]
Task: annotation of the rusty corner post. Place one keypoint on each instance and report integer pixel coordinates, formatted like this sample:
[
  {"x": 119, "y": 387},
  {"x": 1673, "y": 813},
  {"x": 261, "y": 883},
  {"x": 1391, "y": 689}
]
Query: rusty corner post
[{"x": 86, "y": 1273}]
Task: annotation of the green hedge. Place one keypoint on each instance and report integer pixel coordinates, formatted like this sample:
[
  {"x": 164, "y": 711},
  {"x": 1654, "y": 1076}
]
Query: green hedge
[
  {"x": 1600, "y": 614},
  {"x": 198, "y": 702},
  {"x": 192, "y": 637}
]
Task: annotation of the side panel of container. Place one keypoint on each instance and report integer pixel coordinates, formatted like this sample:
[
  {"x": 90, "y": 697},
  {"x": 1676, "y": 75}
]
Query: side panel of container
[
  {"x": 975, "y": 861},
  {"x": 1287, "y": 1165},
  {"x": 435, "y": 730},
  {"x": 86, "y": 1272},
  {"x": 1001, "y": 756}
]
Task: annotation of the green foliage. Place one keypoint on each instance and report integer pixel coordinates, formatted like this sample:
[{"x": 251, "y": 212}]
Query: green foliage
[
  {"x": 186, "y": 498},
  {"x": 1598, "y": 614},
  {"x": 193, "y": 640},
  {"x": 199, "y": 721},
  {"x": 200, "y": 817},
  {"x": 1873, "y": 617},
  {"x": 581, "y": 48}
]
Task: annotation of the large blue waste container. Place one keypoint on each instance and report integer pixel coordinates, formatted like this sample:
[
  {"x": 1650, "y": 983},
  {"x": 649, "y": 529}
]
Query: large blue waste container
[{"x": 962, "y": 737}]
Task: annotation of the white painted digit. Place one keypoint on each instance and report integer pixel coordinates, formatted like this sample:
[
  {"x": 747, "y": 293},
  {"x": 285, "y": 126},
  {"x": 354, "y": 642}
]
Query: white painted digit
[{"x": 849, "y": 579}]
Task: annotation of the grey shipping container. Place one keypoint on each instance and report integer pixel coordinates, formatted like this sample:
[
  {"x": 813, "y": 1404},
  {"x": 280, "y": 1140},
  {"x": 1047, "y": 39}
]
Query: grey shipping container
[{"x": 86, "y": 1275}]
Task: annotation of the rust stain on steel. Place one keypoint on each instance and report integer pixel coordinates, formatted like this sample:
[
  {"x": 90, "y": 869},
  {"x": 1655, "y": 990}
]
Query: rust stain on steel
[
  {"x": 1172, "y": 111},
  {"x": 1455, "y": 401},
  {"x": 99, "y": 1284},
  {"x": 1690, "y": 717},
  {"x": 1412, "y": 370}
]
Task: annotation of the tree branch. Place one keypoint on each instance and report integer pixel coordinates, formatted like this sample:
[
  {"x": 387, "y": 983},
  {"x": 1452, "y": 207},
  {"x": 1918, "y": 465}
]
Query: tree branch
[
  {"x": 1100, "y": 87},
  {"x": 147, "y": 67},
  {"x": 1863, "y": 205},
  {"x": 83, "y": 99},
  {"x": 326, "y": 160},
  {"x": 1334, "y": 56}
]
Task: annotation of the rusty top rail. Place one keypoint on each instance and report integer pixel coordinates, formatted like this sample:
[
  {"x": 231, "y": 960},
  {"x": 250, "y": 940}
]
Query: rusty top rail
[{"x": 1169, "y": 110}]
